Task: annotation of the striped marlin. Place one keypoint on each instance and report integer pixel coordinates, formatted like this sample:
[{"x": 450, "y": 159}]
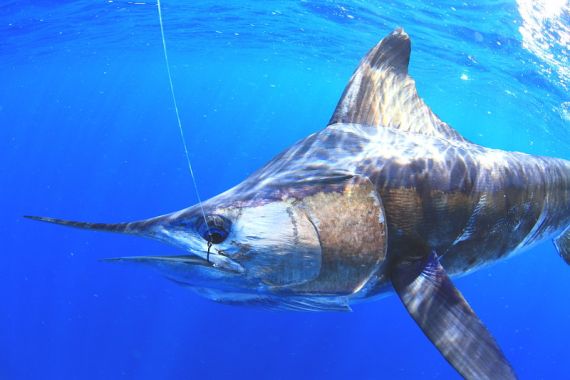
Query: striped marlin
[{"x": 386, "y": 198}]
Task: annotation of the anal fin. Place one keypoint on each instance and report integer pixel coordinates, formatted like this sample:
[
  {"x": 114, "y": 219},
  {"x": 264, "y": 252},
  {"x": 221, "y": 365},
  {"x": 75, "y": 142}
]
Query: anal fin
[
  {"x": 562, "y": 244},
  {"x": 448, "y": 321}
]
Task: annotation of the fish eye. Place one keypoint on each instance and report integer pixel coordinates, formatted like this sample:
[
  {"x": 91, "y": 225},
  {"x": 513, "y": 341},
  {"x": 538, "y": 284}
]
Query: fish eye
[{"x": 214, "y": 229}]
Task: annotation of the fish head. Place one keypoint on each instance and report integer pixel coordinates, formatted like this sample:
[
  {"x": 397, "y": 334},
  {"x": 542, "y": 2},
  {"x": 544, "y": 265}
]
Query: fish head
[
  {"x": 326, "y": 236},
  {"x": 322, "y": 237},
  {"x": 257, "y": 243}
]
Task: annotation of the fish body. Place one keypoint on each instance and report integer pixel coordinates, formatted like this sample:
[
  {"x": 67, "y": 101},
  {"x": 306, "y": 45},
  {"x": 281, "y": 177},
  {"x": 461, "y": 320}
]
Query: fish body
[
  {"x": 386, "y": 198},
  {"x": 471, "y": 204}
]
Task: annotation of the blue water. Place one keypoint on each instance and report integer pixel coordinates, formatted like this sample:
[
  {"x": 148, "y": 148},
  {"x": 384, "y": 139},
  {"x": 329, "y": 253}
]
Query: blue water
[{"x": 88, "y": 132}]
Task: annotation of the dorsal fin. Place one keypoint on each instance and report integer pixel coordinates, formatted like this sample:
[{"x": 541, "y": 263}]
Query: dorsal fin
[{"x": 382, "y": 94}]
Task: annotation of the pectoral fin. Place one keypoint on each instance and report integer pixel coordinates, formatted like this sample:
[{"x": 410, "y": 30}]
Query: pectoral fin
[{"x": 448, "y": 321}]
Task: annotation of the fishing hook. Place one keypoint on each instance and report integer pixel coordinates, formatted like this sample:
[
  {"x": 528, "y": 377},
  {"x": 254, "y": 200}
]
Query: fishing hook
[{"x": 208, "y": 254}]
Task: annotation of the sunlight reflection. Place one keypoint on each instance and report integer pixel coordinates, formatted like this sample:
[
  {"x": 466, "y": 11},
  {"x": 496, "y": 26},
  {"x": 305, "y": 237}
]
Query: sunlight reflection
[{"x": 546, "y": 33}]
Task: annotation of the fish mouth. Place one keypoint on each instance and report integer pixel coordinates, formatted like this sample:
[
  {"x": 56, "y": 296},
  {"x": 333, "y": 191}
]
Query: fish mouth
[
  {"x": 216, "y": 261},
  {"x": 189, "y": 271},
  {"x": 183, "y": 259}
]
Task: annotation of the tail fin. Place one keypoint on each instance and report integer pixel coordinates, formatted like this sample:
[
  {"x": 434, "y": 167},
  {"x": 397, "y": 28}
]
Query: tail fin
[{"x": 562, "y": 244}]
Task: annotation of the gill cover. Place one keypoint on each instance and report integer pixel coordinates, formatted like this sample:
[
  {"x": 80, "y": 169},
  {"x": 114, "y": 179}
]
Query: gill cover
[
  {"x": 277, "y": 244},
  {"x": 350, "y": 221}
]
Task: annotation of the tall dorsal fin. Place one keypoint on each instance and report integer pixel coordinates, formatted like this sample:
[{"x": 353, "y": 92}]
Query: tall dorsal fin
[{"x": 382, "y": 94}]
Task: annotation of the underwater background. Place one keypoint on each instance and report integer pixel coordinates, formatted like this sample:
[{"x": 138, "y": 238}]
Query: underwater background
[{"x": 88, "y": 132}]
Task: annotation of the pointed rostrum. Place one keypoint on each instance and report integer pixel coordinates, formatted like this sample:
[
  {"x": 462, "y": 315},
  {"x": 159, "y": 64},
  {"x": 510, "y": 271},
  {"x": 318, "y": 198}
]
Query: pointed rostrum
[
  {"x": 448, "y": 321},
  {"x": 382, "y": 94}
]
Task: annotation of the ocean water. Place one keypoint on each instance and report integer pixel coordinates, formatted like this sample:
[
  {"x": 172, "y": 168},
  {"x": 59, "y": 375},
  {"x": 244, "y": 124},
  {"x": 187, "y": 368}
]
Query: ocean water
[{"x": 88, "y": 132}]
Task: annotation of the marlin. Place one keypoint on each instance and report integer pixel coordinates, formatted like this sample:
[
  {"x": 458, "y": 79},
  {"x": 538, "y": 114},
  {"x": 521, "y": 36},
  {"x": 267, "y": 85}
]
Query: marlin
[{"x": 387, "y": 198}]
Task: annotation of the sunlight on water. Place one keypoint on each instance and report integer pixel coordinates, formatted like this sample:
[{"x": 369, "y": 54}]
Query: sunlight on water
[{"x": 546, "y": 33}]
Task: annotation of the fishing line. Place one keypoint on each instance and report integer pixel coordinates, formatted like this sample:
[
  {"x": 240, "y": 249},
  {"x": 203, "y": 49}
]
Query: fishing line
[{"x": 179, "y": 121}]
